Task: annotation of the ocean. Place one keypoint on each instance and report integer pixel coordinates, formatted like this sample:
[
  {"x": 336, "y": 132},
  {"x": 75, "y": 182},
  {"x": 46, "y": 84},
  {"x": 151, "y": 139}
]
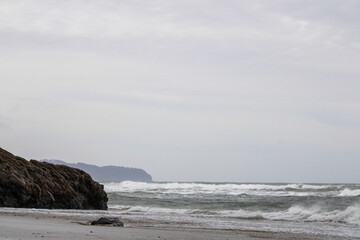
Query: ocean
[
  {"x": 328, "y": 210},
  {"x": 322, "y": 209}
]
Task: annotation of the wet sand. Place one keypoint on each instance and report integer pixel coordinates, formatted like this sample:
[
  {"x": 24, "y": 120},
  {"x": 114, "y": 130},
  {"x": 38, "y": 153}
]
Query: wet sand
[{"x": 34, "y": 227}]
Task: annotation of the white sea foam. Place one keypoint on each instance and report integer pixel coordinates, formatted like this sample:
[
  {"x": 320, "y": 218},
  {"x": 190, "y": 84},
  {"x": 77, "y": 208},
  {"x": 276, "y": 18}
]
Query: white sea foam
[
  {"x": 147, "y": 210},
  {"x": 349, "y": 193},
  {"x": 315, "y": 213},
  {"x": 351, "y": 215},
  {"x": 229, "y": 189}
]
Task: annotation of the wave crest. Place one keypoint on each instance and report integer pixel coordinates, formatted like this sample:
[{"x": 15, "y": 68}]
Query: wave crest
[
  {"x": 349, "y": 193},
  {"x": 223, "y": 188},
  {"x": 351, "y": 215}
]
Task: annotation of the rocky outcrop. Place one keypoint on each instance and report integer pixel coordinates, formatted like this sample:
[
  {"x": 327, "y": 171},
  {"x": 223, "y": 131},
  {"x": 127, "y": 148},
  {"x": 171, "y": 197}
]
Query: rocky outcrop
[{"x": 33, "y": 184}]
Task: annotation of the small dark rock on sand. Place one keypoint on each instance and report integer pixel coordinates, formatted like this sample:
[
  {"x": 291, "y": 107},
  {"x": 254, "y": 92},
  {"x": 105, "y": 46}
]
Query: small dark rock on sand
[{"x": 108, "y": 221}]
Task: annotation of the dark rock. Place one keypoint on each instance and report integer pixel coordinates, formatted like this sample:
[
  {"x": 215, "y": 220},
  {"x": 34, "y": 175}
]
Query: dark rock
[
  {"x": 108, "y": 221},
  {"x": 33, "y": 184}
]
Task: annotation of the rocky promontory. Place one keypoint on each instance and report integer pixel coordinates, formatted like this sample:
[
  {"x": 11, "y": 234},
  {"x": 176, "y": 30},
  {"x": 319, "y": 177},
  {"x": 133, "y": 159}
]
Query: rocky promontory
[
  {"x": 108, "y": 173},
  {"x": 34, "y": 184}
]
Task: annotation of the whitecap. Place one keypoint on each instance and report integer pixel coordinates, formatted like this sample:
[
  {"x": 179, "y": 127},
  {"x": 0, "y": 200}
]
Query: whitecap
[
  {"x": 315, "y": 213},
  {"x": 225, "y": 188},
  {"x": 349, "y": 193}
]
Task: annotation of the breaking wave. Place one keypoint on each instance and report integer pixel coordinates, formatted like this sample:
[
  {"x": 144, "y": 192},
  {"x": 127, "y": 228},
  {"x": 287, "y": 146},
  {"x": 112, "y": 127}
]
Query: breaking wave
[
  {"x": 349, "y": 193},
  {"x": 225, "y": 188},
  {"x": 350, "y": 215}
]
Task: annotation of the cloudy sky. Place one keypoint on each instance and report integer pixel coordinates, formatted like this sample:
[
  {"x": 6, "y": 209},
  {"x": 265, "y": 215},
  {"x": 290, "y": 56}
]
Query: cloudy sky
[{"x": 189, "y": 90}]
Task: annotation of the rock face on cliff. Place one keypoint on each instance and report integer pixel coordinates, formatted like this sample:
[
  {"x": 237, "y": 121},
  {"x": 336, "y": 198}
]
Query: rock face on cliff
[{"x": 33, "y": 184}]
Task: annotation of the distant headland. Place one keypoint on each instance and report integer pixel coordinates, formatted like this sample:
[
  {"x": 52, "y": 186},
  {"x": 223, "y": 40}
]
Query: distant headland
[{"x": 108, "y": 173}]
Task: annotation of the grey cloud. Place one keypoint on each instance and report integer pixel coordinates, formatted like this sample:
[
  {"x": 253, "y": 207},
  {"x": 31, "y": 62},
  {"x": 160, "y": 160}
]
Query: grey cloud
[{"x": 169, "y": 83}]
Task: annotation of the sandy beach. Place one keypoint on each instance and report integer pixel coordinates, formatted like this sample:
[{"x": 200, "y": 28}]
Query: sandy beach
[{"x": 35, "y": 227}]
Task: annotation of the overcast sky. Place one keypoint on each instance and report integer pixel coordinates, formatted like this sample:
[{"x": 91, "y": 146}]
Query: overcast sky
[{"x": 264, "y": 91}]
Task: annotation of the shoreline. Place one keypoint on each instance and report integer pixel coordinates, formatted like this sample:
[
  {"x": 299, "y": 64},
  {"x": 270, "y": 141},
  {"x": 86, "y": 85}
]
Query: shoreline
[{"x": 33, "y": 226}]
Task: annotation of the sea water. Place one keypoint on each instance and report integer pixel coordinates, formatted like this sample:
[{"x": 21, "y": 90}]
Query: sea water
[
  {"x": 325, "y": 210},
  {"x": 322, "y": 209}
]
